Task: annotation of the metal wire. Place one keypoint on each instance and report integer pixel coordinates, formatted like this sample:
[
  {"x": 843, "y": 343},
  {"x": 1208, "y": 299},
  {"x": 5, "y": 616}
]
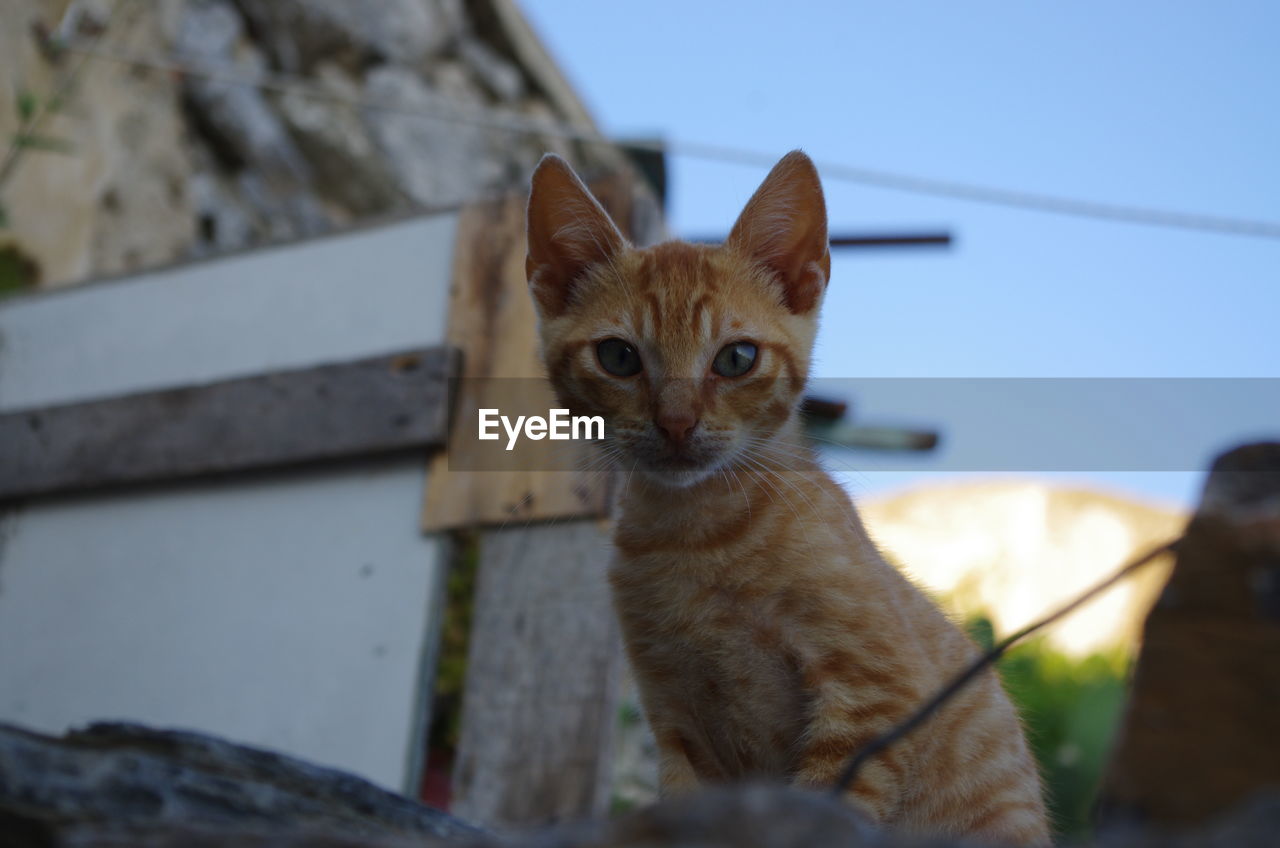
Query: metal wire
[{"x": 953, "y": 189}]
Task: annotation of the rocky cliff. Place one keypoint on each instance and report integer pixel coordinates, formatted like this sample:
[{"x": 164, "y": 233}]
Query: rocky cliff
[{"x": 1014, "y": 550}]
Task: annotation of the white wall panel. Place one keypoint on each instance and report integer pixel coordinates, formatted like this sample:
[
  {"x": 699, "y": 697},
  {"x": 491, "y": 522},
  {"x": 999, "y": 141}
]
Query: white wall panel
[
  {"x": 300, "y": 304},
  {"x": 290, "y": 610}
]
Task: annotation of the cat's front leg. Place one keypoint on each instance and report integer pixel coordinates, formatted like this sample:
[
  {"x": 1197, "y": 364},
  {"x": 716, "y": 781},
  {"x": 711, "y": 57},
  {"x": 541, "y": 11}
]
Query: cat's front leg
[
  {"x": 843, "y": 719},
  {"x": 675, "y": 773}
]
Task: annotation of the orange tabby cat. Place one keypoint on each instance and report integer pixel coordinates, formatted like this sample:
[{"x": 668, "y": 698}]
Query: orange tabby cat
[{"x": 770, "y": 638}]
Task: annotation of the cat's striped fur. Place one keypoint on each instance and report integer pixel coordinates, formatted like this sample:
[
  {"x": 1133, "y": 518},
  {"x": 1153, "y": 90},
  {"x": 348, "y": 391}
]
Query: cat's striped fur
[{"x": 769, "y": 636}]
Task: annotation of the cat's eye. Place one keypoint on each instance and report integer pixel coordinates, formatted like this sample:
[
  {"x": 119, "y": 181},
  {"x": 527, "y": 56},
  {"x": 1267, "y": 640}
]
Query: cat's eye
[
  {"x": 619, "y": 358},
  {"x": 734, "y": 359}
]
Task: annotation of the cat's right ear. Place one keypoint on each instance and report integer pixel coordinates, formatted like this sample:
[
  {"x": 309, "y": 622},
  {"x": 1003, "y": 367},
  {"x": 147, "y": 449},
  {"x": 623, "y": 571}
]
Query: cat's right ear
[{"x": 568, "y": 231}]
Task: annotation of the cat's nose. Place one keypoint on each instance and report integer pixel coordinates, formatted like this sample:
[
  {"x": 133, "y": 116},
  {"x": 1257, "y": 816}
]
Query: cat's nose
[{"x": 676, "y": 426}]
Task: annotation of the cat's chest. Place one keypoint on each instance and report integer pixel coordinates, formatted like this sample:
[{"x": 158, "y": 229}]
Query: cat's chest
[{"x": 719, "y": 668}]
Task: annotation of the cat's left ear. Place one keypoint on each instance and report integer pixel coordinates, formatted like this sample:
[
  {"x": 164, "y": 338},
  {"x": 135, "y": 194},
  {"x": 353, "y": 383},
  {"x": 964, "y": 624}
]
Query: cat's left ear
[
  {"x": 784, "y": 227},
  {"x": 568, "y": 232}
]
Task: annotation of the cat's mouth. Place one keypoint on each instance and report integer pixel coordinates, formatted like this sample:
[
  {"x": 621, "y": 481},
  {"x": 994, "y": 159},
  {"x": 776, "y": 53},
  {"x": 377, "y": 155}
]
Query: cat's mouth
[
  {"x": 679, "y": 462},
  {"x": 681, "y": 466}
]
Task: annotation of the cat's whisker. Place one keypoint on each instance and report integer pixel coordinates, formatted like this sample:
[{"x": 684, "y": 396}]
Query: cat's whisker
[
  {"x": 764, "y": 472},
  {"x": 783, "y": 477},
  {"x": 763, "y": 450},
  {"x": 847, "y": 465},
  {"x": 746, "y": 499}
]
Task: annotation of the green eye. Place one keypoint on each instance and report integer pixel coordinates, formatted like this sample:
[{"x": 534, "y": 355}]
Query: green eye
[
  {"x": 619, "y": 358},
  {"x": 735, "y": 359}
]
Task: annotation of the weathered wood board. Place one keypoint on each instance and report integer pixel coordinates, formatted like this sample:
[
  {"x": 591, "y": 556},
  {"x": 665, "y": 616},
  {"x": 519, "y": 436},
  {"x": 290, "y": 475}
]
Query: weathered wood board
[
  {"x": 545, "y": 654},
  {"x": 541, "y": 678},
  {"x": 350, "y": 409},
  {"x": 1201, "y": 732},
  {"x": 491, "y": 320}
]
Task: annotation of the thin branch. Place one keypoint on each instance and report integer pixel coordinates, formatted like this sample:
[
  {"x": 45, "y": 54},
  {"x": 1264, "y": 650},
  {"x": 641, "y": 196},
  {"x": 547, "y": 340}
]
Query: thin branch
[{"x": 913, "y": 721}]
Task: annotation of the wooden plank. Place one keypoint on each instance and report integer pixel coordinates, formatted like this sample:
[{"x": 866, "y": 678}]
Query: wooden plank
[
  {"x": 366, "y": 407},
  {"x": 542, "y": 674},
  {"x": 1202, "y": 724},
  {"x": 491, "y": 319}
]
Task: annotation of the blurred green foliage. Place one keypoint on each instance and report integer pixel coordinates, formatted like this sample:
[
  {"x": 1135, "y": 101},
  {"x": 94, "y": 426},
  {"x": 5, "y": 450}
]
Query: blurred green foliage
[
  {"x": 451, "y": 666},
  {"x": 1070, "y": 707},
  {"x": 17, "y": 271}
]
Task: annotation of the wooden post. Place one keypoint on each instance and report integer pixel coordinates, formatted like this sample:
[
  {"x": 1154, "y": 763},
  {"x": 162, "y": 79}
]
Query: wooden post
[
  {"x": 539, "y": 701},
  {"x": 542, "y": 673},
  {"x": 1202, "y": 728}
]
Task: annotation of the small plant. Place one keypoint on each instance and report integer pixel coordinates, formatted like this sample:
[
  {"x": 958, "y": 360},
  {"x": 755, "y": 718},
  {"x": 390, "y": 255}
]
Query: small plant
[
  {"x": 1071, "y": 708},
  {"x": 17, "y": 271},
  {"x": 28, "y": 107}
]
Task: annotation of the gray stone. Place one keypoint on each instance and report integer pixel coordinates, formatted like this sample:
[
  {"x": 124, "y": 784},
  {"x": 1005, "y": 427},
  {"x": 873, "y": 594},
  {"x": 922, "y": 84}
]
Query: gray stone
[
  {"x": 208, "y": 29},
  {"x": 240, "y": 123},
  {"x": 301, "y": 33},
  {"x": 349, "y": 168},
  {"x": 268, "y": 193},
  {"x": 456, "y": 81},
  {"x": 500, "y": 76},
  {"x": 282, "y": 214},
  {"x": 539, "y": 113},
  {"x": 136, "y": 779},
  {"x": 438, "y": 161},
  {"x": 222, "y": 222},
  {"x": 124, "y": 785}
]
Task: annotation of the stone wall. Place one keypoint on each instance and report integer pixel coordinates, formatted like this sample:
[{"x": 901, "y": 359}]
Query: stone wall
[{"x": 299, "y": 117}]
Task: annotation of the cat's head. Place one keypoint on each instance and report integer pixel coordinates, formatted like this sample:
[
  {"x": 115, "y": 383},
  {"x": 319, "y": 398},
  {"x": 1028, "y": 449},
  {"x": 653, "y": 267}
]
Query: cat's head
[{"x": 694, "y": 355}]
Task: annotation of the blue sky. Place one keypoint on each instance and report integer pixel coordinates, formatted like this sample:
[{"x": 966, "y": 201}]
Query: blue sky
[{"x": 1171, "y": 105}]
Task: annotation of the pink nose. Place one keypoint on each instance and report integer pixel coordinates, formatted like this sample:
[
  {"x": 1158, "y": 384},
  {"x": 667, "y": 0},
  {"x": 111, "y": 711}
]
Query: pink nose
[{"x": 676, "y": 426}]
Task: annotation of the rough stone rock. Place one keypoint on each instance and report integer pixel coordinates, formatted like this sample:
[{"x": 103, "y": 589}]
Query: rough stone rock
[
  {"x": 454, "y": 80},
  {"x": 348, "y": 166},
  {"x": 282, "y": 213},
  {"x": 301, "y": 33},
  {"x": 222, "y": 222},
  {"x": 141, "y": 780},
  {"x": 110, "y": 196},
  {"x": 974, "y": 545},
  {"x": 437, "y": 161},
  {"x": 157, "y": 165},
  {"x": 499, "y": 76},
  {"x": 273, "y": 179},
  {"x": 117, "y": 785},
  {"x": 537, "y": 112},
  {"x": 208, "y": 30},
  {"x": 238, "y": 120}
]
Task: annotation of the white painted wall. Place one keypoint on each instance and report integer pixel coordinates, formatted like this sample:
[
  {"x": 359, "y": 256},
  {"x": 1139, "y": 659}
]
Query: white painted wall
[
  {"x": 291, "y": 613},
  {"x": 294, "y": 611},
  {"x": 301, "y": 304}
]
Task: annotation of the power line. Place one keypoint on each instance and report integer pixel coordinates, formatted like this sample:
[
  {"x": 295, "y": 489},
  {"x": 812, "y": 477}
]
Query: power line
[
  {"x": 999, "y": 196},
  {"x": 915, "y": 184}
]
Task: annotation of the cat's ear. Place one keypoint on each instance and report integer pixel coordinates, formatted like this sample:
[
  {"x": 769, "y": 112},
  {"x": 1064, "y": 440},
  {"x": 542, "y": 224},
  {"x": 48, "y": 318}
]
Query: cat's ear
[
  {"x": 784, "y": 227},
  {"x": 568, "y": 231}
]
